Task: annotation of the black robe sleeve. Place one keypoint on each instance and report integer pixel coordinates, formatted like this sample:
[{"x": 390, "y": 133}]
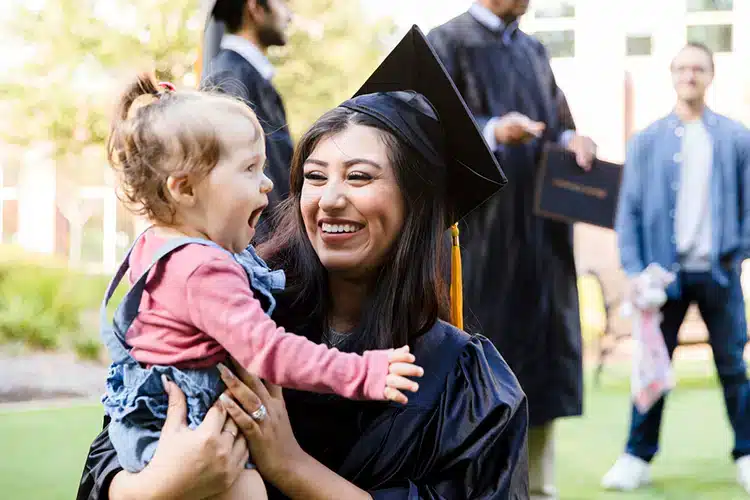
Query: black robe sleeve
[
  {"x": 100, "y": 468},
  {"x": 474, "y": 444},
  {"x": 231, "y": 82},
  {"x": 446, "y": 48}
]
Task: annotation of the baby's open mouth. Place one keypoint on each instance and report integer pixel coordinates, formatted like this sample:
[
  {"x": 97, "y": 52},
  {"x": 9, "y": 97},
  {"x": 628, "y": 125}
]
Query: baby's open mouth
[{"x": 255, "y": 216}]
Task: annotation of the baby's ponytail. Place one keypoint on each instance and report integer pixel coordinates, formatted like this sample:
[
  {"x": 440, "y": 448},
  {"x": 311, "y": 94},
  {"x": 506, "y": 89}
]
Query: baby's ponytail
[
  {"x": 135, "y": 149},
  {"x": 139, "y": 93}
]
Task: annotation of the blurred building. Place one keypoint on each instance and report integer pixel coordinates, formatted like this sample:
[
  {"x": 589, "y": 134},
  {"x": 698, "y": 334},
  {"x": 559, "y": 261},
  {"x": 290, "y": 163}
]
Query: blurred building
[
  {"x": 43, "y": 212},
  {"x": 611, "y": 57}
]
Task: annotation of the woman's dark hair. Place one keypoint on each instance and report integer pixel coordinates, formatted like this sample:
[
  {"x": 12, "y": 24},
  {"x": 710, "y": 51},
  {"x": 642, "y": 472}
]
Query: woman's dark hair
[
  {"x": 231, "y": 12},
  {"x": 409, "y": 294}
]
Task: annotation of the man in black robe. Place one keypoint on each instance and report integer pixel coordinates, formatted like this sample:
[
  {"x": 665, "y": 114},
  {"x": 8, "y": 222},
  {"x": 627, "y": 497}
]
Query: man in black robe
[
  {"x": 241, "y": 68},
  {"x": 519, "y": 272}
]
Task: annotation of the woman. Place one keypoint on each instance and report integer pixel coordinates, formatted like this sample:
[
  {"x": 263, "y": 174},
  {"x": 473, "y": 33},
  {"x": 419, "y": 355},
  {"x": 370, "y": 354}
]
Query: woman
[{"x": 359, "y": 240}]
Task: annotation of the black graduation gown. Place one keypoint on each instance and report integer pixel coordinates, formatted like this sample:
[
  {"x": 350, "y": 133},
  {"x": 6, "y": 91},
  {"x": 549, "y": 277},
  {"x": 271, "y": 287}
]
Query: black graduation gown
[
  {"x": 231, "y": 73},
  {"x": 462, "y": 436},
  {"x": 518, "y": 269}
]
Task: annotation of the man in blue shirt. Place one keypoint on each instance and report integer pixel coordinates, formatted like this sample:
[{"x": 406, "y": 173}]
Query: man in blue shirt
[{"x": 685, "y": 205}]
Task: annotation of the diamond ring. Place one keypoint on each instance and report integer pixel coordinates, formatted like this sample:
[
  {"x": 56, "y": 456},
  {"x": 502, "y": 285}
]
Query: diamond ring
[{"x": 260, "y": 414}]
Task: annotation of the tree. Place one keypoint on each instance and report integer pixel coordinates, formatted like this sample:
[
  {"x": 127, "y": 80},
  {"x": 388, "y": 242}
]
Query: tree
[
  {"x": 330, "y": 53},
  {"x": 83, "y": 50}
]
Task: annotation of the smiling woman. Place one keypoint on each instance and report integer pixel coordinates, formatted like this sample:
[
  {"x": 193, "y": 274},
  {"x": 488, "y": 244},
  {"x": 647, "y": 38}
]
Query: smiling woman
[
  {"x": 360, "y": 240},
  {"x": 351, "y": 172},
  {"x": 351, "y": 203}
]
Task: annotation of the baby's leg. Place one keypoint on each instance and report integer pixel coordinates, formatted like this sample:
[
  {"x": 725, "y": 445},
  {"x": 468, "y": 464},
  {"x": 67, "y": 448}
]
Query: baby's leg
[{"x": 248, "y": 486}]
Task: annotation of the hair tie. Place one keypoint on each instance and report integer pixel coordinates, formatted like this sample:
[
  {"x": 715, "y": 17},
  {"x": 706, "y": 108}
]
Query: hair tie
[
  {"x": 141, "y": 102},
  {"x": 168, "y": 86}
]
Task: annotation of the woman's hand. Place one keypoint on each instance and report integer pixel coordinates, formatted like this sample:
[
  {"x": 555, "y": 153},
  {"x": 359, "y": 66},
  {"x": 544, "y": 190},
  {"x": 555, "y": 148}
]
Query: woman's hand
[
  {"x": 188, "y": 464},
  {"x": 272, "y": 444},
  {"x": 262, "y": 417}
]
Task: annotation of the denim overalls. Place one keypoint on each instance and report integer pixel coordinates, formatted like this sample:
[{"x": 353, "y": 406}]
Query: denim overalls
[{"x": 135, "y": 398}]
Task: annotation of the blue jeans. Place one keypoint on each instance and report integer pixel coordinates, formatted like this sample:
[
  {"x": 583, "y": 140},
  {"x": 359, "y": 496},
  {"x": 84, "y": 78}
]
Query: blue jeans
[{"x": 723, "y": 311}]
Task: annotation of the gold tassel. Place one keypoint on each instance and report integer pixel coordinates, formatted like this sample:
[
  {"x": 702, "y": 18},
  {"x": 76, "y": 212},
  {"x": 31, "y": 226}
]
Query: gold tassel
[{"x": 457, "y": 294}]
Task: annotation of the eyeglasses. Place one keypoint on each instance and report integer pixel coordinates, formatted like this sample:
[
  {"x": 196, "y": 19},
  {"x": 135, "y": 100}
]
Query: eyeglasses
[{"x": 698, "y": 70}]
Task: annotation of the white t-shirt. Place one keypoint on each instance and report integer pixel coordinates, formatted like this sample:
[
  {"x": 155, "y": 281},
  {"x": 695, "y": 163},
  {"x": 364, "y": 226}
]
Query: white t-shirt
[{"x": 693, "y": 215}]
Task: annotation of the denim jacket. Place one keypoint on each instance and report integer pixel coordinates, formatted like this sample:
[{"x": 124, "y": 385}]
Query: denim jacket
[{"x": 648, "y": 197}]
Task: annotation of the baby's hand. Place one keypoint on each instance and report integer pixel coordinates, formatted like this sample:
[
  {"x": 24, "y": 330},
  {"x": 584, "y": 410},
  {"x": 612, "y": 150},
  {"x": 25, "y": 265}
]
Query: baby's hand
[{"x": 401, "y": 365}]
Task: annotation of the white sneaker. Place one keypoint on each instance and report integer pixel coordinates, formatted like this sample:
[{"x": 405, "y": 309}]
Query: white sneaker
[
  {"x": 628, "y": 473},
  {"x": 743, "y": 472}
]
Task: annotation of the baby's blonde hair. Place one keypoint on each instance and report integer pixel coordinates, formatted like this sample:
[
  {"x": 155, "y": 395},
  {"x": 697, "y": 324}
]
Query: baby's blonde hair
[{"x": 158, "y": 132}]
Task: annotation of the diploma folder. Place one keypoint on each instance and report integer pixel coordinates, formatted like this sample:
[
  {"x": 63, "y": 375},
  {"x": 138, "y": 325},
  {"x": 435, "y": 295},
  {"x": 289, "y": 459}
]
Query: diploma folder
[{"x": 566, "y": 192}]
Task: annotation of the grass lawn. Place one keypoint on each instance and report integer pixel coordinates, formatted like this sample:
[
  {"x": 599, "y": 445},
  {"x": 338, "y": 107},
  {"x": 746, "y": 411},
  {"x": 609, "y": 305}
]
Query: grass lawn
[
  {"x": 696, "y": 440},
  {"x": 42, "y": 452}
]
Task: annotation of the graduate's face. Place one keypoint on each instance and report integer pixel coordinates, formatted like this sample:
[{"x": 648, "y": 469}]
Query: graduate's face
[
  {"x": 505, "y": 8},
  {"x": 351, "y": 203},
  {"x": 692, "y": 73}
]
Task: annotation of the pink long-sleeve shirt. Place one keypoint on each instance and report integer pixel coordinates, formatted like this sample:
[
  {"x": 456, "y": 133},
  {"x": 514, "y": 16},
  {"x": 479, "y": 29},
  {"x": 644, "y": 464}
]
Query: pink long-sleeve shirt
[{"x": 198, "y": 306}]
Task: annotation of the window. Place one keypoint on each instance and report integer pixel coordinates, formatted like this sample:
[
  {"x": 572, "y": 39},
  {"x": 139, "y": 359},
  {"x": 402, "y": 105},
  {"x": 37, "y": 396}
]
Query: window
[
  {"x": 558, "y": 43},
  {"x": 638, "y": 45},
  {"x": 11, "y": 171},
  {"x": 708, "y": 5},
  {"x": 92, "y": 238},
  {"x": 545, "y": 9},
  {"x": 718, "y": 37}
]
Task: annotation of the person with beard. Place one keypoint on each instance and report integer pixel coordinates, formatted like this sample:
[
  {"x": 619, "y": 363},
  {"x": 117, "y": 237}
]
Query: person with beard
[
  {"x": 239, "y": 67},
  {"x": 684, "y": 205},
  {"x": 519, "y": 271}
]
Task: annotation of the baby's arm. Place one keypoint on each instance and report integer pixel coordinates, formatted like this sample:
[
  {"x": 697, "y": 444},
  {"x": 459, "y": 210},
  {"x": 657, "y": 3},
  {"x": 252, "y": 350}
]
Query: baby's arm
[{"x": 222, "y": 305}]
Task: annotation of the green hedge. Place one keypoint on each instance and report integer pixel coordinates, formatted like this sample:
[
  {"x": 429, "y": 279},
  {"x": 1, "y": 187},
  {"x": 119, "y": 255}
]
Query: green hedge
[{"x": 46, "y": 305}]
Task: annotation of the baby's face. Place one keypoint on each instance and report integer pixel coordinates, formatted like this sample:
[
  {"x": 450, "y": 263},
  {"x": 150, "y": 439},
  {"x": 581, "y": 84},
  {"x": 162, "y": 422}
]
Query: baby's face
[{"x": 233, "y": 196}]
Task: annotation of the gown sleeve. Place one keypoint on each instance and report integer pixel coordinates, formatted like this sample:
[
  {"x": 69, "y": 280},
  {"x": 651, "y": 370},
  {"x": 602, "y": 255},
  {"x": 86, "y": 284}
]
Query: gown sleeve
[
  {"x": 231, "y": 83},
  {"x": 100, "y": 468},
  {"x": 446, "y": 46},
  {"x": 474, "y": 444},
  {"x": 564, "y": 114}
]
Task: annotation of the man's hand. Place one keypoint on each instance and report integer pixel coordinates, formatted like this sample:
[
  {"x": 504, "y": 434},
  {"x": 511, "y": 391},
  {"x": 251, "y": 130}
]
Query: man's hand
[
  {"x": 514, "y": 128},
  {"x": 584, "y": 149}
]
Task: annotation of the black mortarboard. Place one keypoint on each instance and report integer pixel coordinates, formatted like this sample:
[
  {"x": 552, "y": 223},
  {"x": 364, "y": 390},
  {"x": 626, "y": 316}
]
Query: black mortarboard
[
  {"x": 412, "y": 94},
  {"x": 440, "y": 127}
]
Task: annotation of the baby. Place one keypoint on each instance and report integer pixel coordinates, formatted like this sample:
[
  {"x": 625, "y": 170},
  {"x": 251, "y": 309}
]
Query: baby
[{"x": 192, "y": 163}]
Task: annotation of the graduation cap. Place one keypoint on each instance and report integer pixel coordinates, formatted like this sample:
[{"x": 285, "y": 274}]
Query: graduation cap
[{"x": 412, "y": 94}]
